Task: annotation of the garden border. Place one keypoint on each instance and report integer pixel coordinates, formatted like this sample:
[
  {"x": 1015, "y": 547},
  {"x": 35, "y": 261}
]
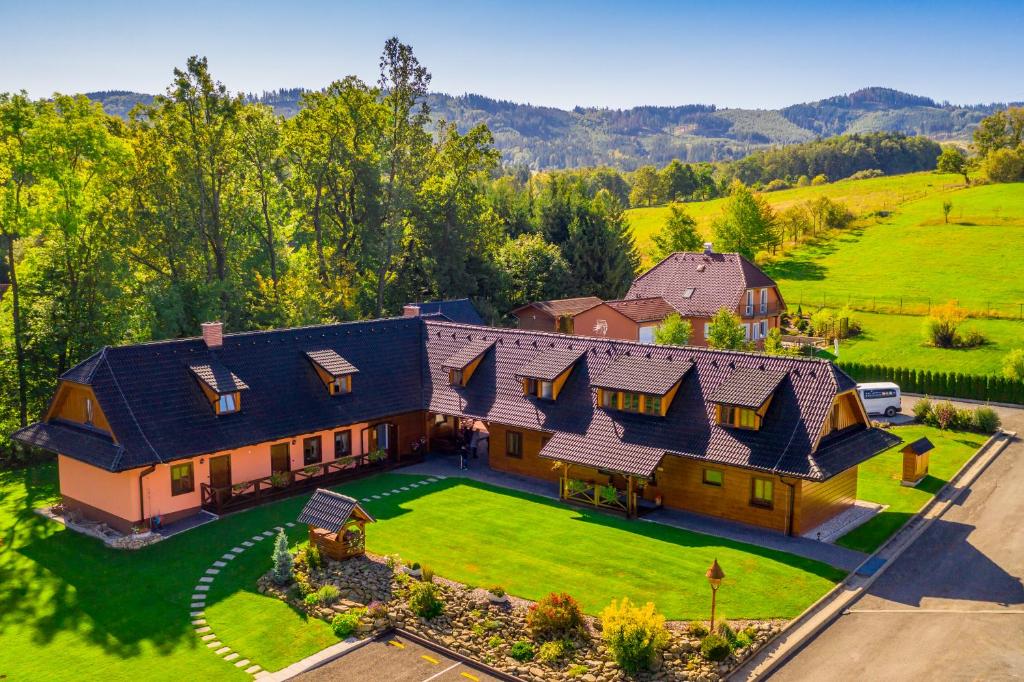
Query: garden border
[{"x": 830, "y": 606}]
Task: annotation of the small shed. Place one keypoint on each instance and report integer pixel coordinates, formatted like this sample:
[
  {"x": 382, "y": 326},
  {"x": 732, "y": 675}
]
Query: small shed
[
  {"x": 337, "y": 524},
  {"x": 915, "y": 461}
]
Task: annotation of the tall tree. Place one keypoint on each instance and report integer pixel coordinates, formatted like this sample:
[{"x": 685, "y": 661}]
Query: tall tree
[
  {"x": 678, "y": 180},
  {"x": 533, "y": 270},
  {"x": 404, "y": 83},
  {"x": 748, "y": 224},
  {"x": 726, "y": 332},
  {"x": 647, "y": 187},
  {"x": 678, "y": 234},
  {"x": 952, "y": 160},
  {"x": 600, "y": 250}
]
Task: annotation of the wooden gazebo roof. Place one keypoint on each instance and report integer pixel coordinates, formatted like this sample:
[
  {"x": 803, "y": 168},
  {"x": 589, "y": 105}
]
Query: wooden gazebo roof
[{"x": 330, "y": 510}]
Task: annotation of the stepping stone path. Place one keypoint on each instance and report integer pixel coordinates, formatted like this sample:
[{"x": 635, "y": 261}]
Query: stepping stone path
[{"x": 197, "y": 602}]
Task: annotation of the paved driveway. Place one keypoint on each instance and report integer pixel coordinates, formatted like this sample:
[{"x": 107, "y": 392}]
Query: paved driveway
[{"x": 952, "y": 606}]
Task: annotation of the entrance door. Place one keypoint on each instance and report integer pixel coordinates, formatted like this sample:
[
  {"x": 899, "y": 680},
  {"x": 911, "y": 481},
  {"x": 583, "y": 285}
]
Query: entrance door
[
  {"x": 220, "y": 471},
  {"x": 280, "y": 458}
]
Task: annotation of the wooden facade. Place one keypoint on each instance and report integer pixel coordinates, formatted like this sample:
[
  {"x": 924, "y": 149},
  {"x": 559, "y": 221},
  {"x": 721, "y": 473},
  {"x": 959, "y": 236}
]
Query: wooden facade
[
  {"x": 819, "y": 502},
  {"x": 77, "y": 403},
  {"x": 530, "y": 463},
  {"x": 846, "y": 411}
]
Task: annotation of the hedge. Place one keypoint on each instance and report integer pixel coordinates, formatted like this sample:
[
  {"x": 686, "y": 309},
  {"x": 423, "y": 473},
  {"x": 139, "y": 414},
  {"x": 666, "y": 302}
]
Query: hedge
[{"x": 948, "y": 384}]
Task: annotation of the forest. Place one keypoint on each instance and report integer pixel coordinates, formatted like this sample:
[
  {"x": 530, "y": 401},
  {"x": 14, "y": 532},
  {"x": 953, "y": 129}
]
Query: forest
[{"x": 204, "y": 205}]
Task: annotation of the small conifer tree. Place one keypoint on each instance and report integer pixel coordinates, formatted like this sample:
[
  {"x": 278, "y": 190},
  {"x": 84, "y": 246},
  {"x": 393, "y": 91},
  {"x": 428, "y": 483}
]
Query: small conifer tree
[{"x": 282, "y": 559}]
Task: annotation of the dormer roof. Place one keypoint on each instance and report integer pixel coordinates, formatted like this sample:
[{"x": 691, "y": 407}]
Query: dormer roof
[
  {"x": 217, "y": 377},
  {"x": 550, "y": 363},
  {"x": 472, "y": 350},
  {"x": 638, "y": 372},
  {"x": 329, "y": 361},
  {"x": 747, "y": 387}
]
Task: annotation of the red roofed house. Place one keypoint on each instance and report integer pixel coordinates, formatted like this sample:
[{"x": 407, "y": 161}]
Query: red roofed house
[
  {"x": 698, "y": 285},
  {"x": 630, "y": 319},
  {"x": 553, "y": 316}
]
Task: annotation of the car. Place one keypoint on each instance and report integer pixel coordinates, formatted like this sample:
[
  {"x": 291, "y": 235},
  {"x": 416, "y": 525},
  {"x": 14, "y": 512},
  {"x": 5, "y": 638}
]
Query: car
[{"x": 881, "y": 397}]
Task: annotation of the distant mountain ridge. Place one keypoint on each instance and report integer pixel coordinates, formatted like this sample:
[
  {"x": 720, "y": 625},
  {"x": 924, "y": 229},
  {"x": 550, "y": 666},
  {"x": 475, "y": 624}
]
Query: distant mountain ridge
[{"x": 548, "y": 137}]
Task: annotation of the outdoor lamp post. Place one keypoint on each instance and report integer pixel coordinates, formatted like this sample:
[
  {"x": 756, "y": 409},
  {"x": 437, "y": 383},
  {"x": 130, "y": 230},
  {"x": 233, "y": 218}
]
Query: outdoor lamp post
[{"x": 714, "y": 576}]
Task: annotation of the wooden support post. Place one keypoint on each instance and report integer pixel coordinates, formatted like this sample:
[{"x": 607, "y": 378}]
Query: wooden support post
[{"x": 630, "y": 512}]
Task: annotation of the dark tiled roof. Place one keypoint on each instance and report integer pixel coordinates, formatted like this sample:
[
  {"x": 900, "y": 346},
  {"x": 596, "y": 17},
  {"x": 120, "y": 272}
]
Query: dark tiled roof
[
  {"x": 469, "y": 352},
  {"x": 75, "y": 441},
  {"x": 919, "y": 446},
  {"x": 562, "y": 306},
  {"x": 219, "y": 378},
  {"x": 634, "y": 443},
  {"x": 652, "y": 309},
  {"x": 641, "y": 372},
  {"x": 718, "y": 281},
  {"x": 850, "y": 447},
  {"x": 329, "y": 510},
  {"x": 549, "y": 364},
  {"x": 159, "y": 413},
  {"x": 332, "y": 363},
  {"x": 459, "y": 310},
  {"x": 747, "y": 387}
]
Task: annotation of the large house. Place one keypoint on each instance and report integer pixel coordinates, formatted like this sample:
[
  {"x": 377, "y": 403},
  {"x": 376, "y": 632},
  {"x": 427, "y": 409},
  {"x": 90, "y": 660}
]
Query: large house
[
  {"x": 552, "y": 316},
  {"x": 164, "y": 429}
]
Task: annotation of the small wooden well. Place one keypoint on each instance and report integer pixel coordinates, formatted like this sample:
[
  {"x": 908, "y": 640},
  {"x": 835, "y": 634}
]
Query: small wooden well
[
  {"x": 915, "y": 461},
  {"x": 337, "y": 524}
]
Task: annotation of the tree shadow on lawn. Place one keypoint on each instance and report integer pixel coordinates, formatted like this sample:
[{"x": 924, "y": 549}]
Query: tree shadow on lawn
[
  {"x": 391, "y": 507},
  {"x": 796, "y": 269}
]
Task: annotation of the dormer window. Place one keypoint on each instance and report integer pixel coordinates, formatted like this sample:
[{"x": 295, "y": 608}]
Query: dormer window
[
  {"x": 226, "y": 404},
  {"x": 463, "y": 363},
  {"x": 341, "y": 385},
  {"x": 335, "y": 371},
  {"x": 546, "y": 373},
  {"x": 641, "y": 384},
  {"x": 742, "y": 400},
  {"x": 221, "y": 386}
]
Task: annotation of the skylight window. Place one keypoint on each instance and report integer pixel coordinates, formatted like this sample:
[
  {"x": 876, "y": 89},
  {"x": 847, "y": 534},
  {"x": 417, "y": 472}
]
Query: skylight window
[{"x": 687, "y": 293}]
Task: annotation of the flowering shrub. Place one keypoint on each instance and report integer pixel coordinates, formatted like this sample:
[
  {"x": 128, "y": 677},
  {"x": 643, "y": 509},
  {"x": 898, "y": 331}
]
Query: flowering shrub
[
  {"x": 553, "y": 617},
  {"x": 633, "y": 634}
]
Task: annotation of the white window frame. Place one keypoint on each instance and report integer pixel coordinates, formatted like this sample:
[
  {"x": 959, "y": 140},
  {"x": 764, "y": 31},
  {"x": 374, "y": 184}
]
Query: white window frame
[
  {"x": 546, "y": 390},
  {"x": 88, "y": 411},
  {"x": 646, "y": 333},
  {"x": 750, "y": 301},
  {"x": 707, "y": 330},
  {"x": 746, "y": 331},
  {"x": 764, "y": 329},
  {"x": 764, "y": 300}
]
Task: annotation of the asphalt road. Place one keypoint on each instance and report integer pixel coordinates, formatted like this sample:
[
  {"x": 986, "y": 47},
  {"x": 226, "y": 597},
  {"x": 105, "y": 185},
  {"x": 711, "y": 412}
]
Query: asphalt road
[
  {"x": 952, "y": 606},
  {"x": 395, "y": 659}
]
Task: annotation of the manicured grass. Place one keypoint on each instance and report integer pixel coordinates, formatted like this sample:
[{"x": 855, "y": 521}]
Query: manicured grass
[
  {"x": 878, "y": 480},
  {"x": 484, "y": 536},
  {"x": 898, "y": 341},
  {"x": 71, "y": 609}
]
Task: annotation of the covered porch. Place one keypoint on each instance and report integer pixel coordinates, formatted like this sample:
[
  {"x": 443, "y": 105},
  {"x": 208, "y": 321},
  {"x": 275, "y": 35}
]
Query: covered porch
[{"x": 608, "y": 490}]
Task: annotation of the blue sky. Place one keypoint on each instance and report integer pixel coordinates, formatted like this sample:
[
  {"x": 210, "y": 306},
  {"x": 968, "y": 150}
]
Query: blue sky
[{"x": 748, "y": 54}]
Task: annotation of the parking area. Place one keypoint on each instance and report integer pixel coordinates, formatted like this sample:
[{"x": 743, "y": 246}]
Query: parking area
[{"x": 396, "y": 659}]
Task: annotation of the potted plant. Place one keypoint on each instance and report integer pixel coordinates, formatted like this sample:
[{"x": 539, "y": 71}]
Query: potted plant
[
  {"x": 496, "y": 595},
  {"x": 311, "y": 470},
  {"x": 346, "y": 460},
  {"x": 280, "y": 479},
  {"x": 414, "y": 570},
  {"x": 377, "y": 456}
]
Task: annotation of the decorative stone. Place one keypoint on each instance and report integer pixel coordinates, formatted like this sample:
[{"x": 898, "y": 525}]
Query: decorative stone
[
  {"x": 252, "y": 670},
  {"x": 242, "y": 663},
  {"x": 206, "y": 579},
  {"x": 214, "y": 644},
  {"x": 223, "y": 650}
]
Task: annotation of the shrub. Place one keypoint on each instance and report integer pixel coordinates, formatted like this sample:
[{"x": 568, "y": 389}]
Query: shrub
[
  {"x": 972, "y": 339},
  {"x": 302, "y": 584},
  {"x": 344, "y": 624},
  {"x": 1013, "y": 364},
  {"x": 377, "y": 610},
  {"x": 328, "y": 594},
  {"x": 554, "y": 616},
  {"x": 945, "y": 414},
  {"x": 986, "y": 420},
  {"x": 823, "y": 322},
  {"x": 522, "y": 651},
  {"x": 554, "y": 650},
  {"x": 425, "y": 600},
  {"x": 803, "y": 181},
  {"x": 867, "y": 173},
  {"x": 820, "y": 179},
  {"x": 1004, "y": 165},
  {"x": 576, "y": 670},
  {"x": 776, "y": 184},
  {"x": 941, "y": 327},
  {"x": 283, "y": 561},
  {"x": 393, "y": 561},
  {"x": 633, "y": 634},
  {"x": 311, "y": 599},
  {"x": 923, "y": 410},
  {"x": 715, "y": 648},
  {"x": 495, "y": 641},
  {"x": 696, "y": 629},
  {"x": 314, "y": 559},
  {"x": 428, "y": 575},
  {"x": 497, "y": 590}
]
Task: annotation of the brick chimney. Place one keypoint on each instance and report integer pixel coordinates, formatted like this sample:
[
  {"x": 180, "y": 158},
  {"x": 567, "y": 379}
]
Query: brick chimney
[
  {"x": 213, "y": 334},
  {"x": 708, "y": 248},
  {"x": 410, "y": 310}
]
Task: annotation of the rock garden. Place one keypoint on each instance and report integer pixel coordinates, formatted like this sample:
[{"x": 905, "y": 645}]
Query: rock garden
[{"x": 546, "y": 640}]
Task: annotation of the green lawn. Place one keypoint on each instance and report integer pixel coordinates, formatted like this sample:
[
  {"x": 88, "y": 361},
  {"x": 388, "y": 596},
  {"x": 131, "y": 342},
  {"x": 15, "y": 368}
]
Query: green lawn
[
  {"x": 878, "y": 480},
  {"x": 898, "y": 341},
  {"x": 529, "y": 545},
  {"x": 71, "y": 609}
]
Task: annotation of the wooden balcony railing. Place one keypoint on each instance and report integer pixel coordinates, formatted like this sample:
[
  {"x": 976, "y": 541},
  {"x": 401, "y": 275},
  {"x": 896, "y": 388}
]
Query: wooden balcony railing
[
  {"x": 598, "y": 495},
  {"x": 223, "y": 499}
]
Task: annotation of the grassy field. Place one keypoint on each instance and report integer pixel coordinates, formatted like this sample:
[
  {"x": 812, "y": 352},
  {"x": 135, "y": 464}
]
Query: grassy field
[
  {"x": 878, "y": 480},
  {"x": 862, "y": 197},
  {"x": 71, "y": 609},
  {"x": 898, "y": 341}
]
